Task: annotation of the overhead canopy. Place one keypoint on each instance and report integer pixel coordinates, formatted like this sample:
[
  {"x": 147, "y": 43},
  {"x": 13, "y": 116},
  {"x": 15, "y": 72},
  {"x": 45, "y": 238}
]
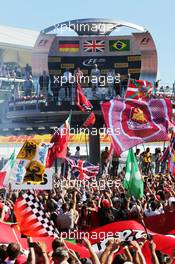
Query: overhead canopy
[
  {"x": 86, "y": 26},
  {"x": 17, "y": 37}
]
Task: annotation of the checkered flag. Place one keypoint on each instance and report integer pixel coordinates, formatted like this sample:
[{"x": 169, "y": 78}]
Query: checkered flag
[{"x": 32, "y": 217}]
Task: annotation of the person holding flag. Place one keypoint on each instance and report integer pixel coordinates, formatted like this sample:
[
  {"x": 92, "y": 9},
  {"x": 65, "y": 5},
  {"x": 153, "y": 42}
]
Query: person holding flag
[{"x": 60, "y": 142}]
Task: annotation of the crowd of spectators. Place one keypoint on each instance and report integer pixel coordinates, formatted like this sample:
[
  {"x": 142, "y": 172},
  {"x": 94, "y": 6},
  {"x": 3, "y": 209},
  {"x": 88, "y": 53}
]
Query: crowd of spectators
[
  {"x": 13, "y": 70},
  {"x": 73, "y": 207},
  {"x": 132, "y": 253}
]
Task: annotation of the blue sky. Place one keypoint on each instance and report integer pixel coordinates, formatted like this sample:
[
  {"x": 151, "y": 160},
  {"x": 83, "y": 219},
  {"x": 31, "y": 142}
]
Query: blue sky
[{"x": 156, "y": 15}]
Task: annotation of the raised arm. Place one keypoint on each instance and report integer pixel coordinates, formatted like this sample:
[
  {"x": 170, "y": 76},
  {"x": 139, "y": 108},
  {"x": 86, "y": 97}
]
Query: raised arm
[
  {"x": 94, "y": 257},
  {"x": 152, "y": 246}
]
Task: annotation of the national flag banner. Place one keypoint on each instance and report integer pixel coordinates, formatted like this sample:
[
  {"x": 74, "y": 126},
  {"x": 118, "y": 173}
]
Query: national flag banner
[
  {"x": 69, "y": 46},
  {"x": 119, "y": 45},
  {"x": 81, "y": 100},
  {"x": 139, "y": 89},
  {"x": 17, "y": 173},
  {"x": 131, "y": 122},
  {"x": 32, "y": 217},
  {"x": 133, "y": 181},
  {"x": 5, "y": 172},
  {"x": 90, "y": 121},
  {"x": 94, "y": 46},
  {"x": 59, "y": 143},
  {"x": 82, "y": 169}
]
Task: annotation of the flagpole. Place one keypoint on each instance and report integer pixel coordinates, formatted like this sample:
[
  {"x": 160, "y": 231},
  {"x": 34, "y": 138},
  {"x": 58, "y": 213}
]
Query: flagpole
[
  {"x": 5, "y": 196},
  {"x": 143, "y": 146},
  {"x": 16, "y": 237},
  {"x": 87, "y": 153},
  {"x": 140, "y": 216},
  {"x": 56, "y": 165},
  {"x": 64, "y": 165},
  {"x": 129, "y": 78},
  {"x": 110, "y": 160}
]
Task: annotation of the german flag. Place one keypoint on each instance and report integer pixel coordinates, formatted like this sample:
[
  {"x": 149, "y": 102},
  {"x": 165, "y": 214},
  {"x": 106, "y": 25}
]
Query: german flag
[{"x": 69, "y": 46}]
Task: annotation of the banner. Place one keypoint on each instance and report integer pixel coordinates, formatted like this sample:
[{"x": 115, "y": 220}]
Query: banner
[
  {"x": 28, "y": 166},
  {"x": 129, "y": 230},
  {"x": 47, "y": 183},
  {"x": 74, "y": 138},
  {"x": 132, "y": 122}
]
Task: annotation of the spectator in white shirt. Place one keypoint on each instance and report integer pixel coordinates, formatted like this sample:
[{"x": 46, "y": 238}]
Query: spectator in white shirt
[
  {"x": 77, "y": 152},
  {"x": 154, "y": 209}
]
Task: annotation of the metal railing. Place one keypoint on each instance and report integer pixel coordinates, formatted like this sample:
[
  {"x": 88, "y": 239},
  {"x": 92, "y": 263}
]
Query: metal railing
[{"x": 19, "y": 100}]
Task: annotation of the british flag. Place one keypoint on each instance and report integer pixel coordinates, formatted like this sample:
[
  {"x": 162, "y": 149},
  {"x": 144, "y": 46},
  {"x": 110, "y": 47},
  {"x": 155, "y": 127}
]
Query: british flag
[
  {"x": 82, "y": 169},
  {"x": 94, "y": 46}
]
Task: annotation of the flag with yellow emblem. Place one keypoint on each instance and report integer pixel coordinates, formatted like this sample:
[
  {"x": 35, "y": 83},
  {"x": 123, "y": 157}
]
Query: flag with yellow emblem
[{"x": 29, "y": 166}]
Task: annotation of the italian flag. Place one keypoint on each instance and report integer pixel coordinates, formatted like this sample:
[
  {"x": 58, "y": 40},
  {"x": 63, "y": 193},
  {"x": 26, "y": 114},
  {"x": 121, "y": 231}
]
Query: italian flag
[
  {"x": 133, "y": 181},
  {"x": 6, "y": 171},
  {"x": 60, "y": 141}
]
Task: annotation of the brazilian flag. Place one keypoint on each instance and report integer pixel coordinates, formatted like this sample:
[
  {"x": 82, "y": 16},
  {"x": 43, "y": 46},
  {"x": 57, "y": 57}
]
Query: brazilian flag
[{"x": 119, "y": 45}]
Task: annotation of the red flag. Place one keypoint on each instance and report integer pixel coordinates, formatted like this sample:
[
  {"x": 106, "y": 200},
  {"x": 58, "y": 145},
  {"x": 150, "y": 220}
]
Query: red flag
[
  {"x": 131, "y": 230},
  {"x": 163, "y": 223},
  {"x": 132, "y": 122},
  {"x": 10, "y": 233},
  {"x": 60, "y": 142},
  {"x": 81, "y": 100},
  {"x": 90, "y": 121},
  {"x": 139, "y": 89}
]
